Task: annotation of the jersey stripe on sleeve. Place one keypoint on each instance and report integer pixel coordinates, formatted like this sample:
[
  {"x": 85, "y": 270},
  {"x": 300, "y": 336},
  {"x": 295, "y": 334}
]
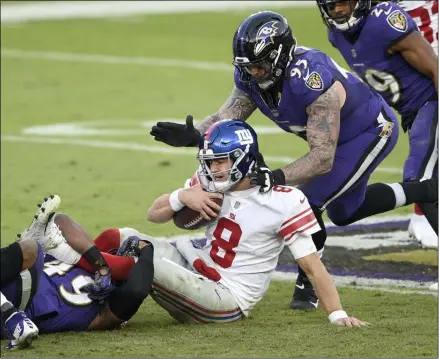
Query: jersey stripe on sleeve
[{"x": 299, "y": 223}]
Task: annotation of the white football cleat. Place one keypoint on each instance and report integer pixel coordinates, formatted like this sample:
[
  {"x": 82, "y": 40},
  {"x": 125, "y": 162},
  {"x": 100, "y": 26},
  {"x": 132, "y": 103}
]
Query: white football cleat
[
  {"x": 421, "y": 231},
  {"x": 40, "y": 224},
  {"x": 21, "y": 331}
]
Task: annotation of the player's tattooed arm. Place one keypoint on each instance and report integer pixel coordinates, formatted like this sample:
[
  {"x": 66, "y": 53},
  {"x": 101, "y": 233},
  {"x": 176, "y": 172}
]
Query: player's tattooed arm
[
  {"x": 322, "y": 130},
  {"x": 238, "y": 106}
]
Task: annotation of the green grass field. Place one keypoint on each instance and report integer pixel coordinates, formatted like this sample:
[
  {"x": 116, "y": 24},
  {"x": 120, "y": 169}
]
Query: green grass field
[{"x": 110, "y": 180}]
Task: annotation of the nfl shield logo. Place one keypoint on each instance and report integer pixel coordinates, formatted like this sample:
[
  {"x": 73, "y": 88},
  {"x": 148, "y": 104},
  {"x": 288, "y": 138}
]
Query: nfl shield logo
[{"x": 354, "y": 53}]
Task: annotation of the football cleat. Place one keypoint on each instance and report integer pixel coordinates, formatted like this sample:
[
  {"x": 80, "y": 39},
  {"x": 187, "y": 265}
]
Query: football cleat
[
  {"x": 304, "y": 296},
  {"x": 42, "y": 227},
  {"x": 21, "y": 331},
  {"x": 421, "y": 231}
]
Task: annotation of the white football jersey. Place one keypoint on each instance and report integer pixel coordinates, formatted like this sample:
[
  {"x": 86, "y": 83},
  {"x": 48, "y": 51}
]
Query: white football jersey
[
  {"x": 425, "y": 14},
  {"x": 250, "y": 232}
]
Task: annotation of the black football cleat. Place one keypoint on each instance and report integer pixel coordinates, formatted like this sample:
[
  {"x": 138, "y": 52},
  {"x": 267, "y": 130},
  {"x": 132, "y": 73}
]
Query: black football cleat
[{"x": 304, "y": 296}]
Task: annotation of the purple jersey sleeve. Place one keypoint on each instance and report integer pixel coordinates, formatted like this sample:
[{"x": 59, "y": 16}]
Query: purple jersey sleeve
[
  {"x": 309, "y": 80},
  {"x": 390, "y": 23}
]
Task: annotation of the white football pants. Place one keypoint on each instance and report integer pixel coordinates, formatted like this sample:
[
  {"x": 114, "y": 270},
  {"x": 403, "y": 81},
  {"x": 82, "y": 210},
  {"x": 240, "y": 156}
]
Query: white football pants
[{"x": 188, "y": 296}]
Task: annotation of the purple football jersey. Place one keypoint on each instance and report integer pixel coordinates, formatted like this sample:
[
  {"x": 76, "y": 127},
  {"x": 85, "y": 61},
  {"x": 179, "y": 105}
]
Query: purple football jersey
[
  {"x": 309, "y": 75},
  {"x": 402, "y": 86},
  {"x": 59, "y": 304}
]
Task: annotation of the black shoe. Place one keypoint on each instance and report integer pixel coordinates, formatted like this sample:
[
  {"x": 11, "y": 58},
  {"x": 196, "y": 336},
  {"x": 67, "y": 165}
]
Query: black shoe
[{"x": 304, "y": 296}]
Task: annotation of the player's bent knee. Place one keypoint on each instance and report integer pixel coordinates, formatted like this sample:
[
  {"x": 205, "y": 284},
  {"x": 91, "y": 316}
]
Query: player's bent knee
[
  {"x": 342, "y": 222},
  {"x": 127, "y": 232}
]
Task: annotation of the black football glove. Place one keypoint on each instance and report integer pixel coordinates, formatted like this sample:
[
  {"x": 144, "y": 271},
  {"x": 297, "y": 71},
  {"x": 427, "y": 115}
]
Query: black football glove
[
  {"x": 264, "y": 177},
  {"x": 177, "y": 135}
]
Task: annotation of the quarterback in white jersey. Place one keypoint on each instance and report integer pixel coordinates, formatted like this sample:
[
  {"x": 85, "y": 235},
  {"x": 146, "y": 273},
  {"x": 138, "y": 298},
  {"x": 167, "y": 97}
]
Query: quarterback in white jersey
[
  {"x": 223, "y": 280},
  {"x": 250, "y": 232}
]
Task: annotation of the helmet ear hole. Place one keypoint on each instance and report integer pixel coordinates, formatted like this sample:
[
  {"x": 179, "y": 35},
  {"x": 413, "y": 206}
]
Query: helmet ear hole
[{"x": 236, "y": 154}]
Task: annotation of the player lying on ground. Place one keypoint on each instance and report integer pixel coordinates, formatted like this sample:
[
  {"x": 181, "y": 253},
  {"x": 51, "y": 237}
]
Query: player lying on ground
[
  {"x": 243, "y": 241},
  {"x": 350, "y": 129},
  {"x": 384, "y": 46},
  {"x": 51, "y": 292}
]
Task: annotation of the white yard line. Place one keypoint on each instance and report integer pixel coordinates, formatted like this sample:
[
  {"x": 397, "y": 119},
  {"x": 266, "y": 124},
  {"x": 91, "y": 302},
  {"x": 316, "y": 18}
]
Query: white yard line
[
  {"x": 56, "y": 10},
  {"x": 141, "y": 147},
  {"x": 116, "y": 60}
]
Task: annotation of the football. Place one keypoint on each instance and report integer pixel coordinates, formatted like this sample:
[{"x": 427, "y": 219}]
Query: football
[{"x": 189, "y": 219}]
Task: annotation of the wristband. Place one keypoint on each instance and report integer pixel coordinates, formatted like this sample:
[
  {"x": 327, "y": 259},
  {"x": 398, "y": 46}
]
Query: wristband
[
  {"x": 176, "y": 205},
  {"x": 336, "y": 315},
  {"x": 278, "y": 177}
]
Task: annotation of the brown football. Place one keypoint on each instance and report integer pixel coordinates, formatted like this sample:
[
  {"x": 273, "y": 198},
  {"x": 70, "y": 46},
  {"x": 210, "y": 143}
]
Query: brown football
[{"x": 189, "y": 219}]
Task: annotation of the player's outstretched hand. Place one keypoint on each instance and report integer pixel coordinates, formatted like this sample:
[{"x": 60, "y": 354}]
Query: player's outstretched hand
[
  {"x": 350, "y": 322},
  {"x": 176, "y": 134}
]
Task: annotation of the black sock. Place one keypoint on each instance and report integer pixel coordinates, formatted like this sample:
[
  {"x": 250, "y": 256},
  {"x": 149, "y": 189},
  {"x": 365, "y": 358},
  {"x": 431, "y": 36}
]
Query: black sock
[
  {"x": 420, "y": 192},
  {"x": 430, "y": 212},
  {"x": 7, "y": 309},
  {"x": 382, "y": 198},
  {"x": 95, "y": 258},
  {"x": 11, "y": 262}
]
